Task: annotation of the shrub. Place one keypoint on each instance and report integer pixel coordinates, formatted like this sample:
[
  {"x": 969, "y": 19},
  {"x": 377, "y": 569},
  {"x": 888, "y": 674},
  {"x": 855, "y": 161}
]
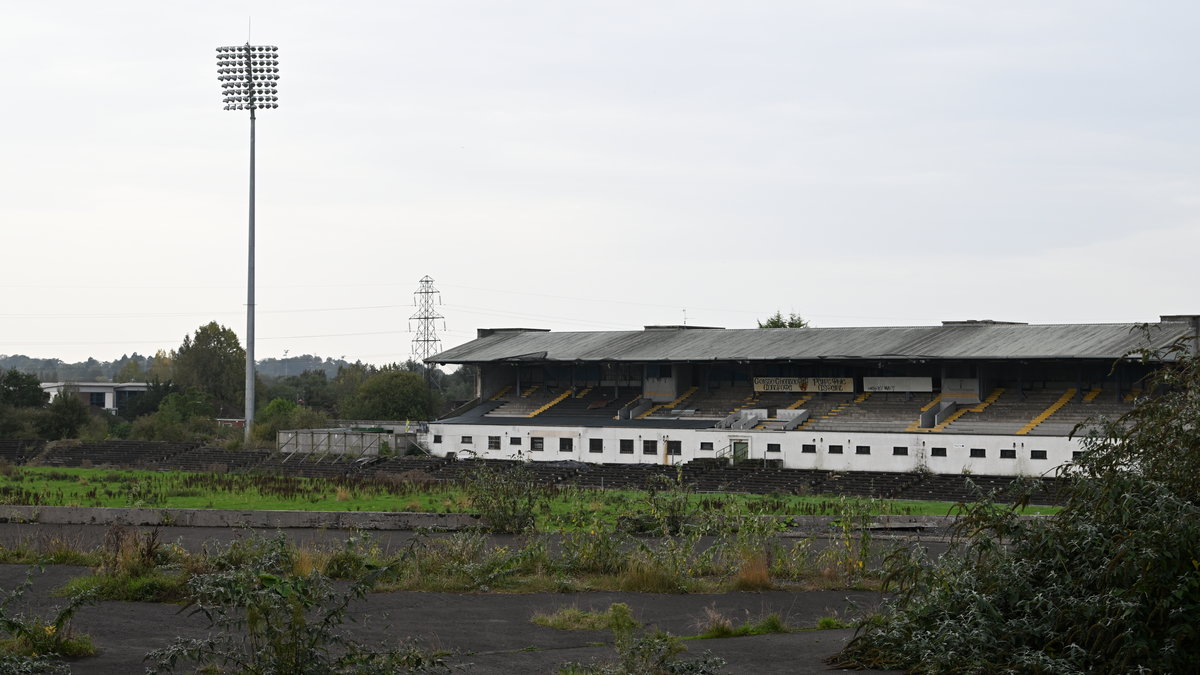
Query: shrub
[
  {"x": 12, "y": 664},
  {"x": 595, "y": 548},
  {"x": 508, "y": 500},
  {"x": 265, "y": 622}
]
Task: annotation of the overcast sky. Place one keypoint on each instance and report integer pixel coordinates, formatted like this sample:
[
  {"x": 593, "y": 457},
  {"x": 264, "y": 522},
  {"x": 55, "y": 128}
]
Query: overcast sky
[{"x": 593, "y": 166}]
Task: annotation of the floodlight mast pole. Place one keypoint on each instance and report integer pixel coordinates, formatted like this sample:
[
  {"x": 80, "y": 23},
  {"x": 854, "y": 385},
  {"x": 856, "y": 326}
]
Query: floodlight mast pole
[
  {"x": 250, "y": 298},
  {"x": 249, "y": 74}
]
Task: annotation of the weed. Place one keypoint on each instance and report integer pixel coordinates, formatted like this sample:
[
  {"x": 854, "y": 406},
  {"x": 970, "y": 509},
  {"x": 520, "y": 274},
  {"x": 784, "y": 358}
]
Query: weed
[
  {"x": 793, "y": 563},
  {"x": 646, "y": 653},
  {"x": 715, "y": 625},
  {"x": 352, "y": 560},
  {"x": 507, "y": 500},
  {"x": 35, "y": 636},
  {"x": 129, "y": 552},
  {"x": 12, "y": 664},
  {"x": 644, "y": 576},
  {"x": 617, "y": 617},
  {"x": 753, "y": 574},
  {"x": 263, "y": 622},
  {"x": 831, "y": 623},
  {"x": 593, "y": 546},
  {"x": 308, "y": 560}
]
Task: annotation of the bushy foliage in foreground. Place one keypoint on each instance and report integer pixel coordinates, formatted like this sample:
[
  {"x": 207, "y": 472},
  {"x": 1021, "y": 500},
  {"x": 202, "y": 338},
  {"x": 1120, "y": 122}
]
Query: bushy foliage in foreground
[
  {"x": 1110, "y": 585},
  {"x": 266, "y": 622}
]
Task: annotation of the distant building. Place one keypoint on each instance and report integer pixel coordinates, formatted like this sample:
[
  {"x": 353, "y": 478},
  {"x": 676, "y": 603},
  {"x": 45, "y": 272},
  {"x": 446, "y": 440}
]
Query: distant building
[{"x": 105, "y": 395}]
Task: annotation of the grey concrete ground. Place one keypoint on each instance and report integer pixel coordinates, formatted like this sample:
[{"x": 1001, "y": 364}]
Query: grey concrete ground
[
  {"x": 194, "y": 538},
  {"x": 490, "y": 632}
]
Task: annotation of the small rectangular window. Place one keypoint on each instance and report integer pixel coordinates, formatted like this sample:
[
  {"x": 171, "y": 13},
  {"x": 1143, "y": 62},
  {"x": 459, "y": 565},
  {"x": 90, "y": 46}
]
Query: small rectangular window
[
  {"x": 467, "y": 440},
  {"x": 1008, "y": 453},
  {"x": 566, "y": 444},
  {"x": 514, "y": 440},
  {"x": 1037, "y": 454},
  {"x": 772, "y": 447},
  {"x": 808, "y": 448},
  {"x": 1076, "y": 454},
  {"x": 595, "y": 445},
  {"x": 493, "y": 442},
  {"x": 862, "y": 449},
  {"x": 706, "y": 445},
  {"x": 899, "y": 450},
  {"x": 937, "y": 452},
  {"x": 835, "y": 449},
  {"x": 978, "y": 453},
  {"x": 626, "y": 446},
  {"x": 649, "y": 447},
  {"x": 535, "y": 443},
  {"x": 437, "y": 438},
  {"x": 674, "y": 447}
]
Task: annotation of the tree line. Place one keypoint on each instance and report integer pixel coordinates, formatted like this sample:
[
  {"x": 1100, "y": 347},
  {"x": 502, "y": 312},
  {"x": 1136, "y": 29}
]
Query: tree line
[
  {"x": 203, "y": 380},
  {"x": 137, "y": 368}
]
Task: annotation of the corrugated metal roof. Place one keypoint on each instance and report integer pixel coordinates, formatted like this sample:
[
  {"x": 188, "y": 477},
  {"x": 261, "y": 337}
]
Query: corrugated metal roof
[{"x": 958, "y": 341}]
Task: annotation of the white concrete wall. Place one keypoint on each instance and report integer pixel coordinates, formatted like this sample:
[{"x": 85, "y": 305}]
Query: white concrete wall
[
  {"x": 791, "y": 444},
  {"x": 661, "y": 389}
]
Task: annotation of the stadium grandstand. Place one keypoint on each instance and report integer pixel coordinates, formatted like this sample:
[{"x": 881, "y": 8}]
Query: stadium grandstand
[{"x": 980, "y": 397}]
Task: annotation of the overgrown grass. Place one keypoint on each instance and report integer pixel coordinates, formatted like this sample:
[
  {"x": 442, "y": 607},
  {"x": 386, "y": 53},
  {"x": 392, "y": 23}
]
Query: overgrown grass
[
  {"x": 682, "y": 553},
  {"x": 723, "y": 628},
  {"x": 831, "y": 623},
  {"x": 649, "y": 652},
  {"x": 672, "y": 549},
  {"x": 567, "y": 508},
  {"x": 616, "y": 617},
  {"x": 134, "y": 565},
  {"x": 156, "y": 586}
]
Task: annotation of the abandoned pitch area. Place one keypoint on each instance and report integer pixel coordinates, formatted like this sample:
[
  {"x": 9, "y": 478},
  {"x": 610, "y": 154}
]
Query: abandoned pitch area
[{"x": 481, "y": 632}]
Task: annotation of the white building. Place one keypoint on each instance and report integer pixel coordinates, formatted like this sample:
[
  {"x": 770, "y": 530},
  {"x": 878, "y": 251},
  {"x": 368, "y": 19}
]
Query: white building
[{"x": 106, "y": 395}]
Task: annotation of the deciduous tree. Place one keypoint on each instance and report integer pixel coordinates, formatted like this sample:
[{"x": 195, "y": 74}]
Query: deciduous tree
[
  {"x": 130, "y": 372},
  {"x": 213, "y": 362},
  {"x": 161, "y": 367},
  {"x": 390, "y": 395},
  {"x": 21, "y": 390}
]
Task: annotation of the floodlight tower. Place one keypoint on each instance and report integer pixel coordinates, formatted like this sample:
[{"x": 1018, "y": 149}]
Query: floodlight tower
[
  {"x": 248, "y": 76},
  {"x": 426, "y": 342}
]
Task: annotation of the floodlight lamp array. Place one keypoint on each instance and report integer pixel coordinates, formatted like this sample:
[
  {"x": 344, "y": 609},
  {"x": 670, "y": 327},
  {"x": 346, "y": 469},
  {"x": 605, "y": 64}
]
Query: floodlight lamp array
[{"x": 249, "y": 75}]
